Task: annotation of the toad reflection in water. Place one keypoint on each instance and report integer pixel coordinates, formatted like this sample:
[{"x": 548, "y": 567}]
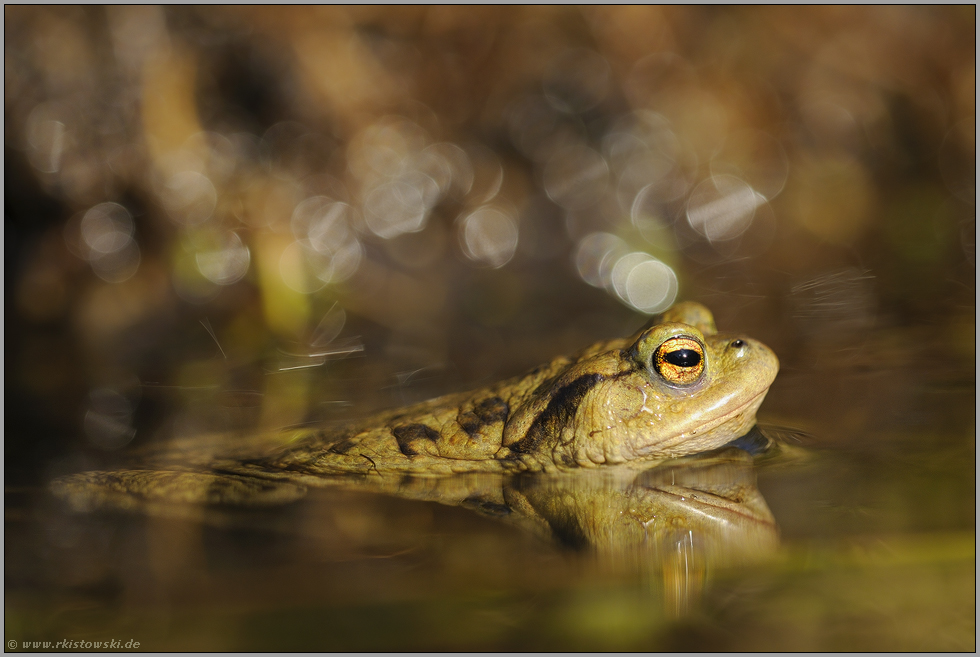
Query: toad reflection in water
[{"x": 678, "y": 520}]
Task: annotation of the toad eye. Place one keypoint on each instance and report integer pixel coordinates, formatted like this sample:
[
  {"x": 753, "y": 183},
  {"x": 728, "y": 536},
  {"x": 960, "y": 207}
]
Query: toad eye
[{"x": 680, "y": 361}]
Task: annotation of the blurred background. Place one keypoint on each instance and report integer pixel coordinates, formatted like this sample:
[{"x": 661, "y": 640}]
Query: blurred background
[
  {"x": 241, "y": 218},
  {"x": 273, "y": 215}
]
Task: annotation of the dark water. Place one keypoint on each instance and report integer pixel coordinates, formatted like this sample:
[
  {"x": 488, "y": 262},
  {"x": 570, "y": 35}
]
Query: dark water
[
  {"x": 870, "y": 546},
  {"x": 244, "y": 219}
]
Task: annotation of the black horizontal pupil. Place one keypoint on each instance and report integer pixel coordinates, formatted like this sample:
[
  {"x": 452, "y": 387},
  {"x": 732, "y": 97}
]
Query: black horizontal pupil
[{"x": 683, "y": 358}]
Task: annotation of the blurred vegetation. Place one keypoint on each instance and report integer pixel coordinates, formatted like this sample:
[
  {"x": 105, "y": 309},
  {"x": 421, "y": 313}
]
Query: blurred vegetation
[
  {"x": 214, "y": 209},
  {"x": 234, "y": 200}
]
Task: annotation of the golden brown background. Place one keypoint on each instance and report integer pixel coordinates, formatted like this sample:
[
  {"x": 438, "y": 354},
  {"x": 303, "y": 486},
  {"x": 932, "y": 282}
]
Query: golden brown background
[{"x": 255, "y": 217}]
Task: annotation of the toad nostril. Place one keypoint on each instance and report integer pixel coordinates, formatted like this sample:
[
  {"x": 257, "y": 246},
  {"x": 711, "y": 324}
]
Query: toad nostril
[{"x": 738, "y": 343}]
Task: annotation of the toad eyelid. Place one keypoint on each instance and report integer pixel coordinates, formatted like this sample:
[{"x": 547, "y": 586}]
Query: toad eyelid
[{"x": 687, "y": 339}]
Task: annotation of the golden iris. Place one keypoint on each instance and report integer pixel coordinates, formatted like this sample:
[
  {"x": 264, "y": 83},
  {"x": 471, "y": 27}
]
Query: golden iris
[{"x": 680, "y": 361}]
